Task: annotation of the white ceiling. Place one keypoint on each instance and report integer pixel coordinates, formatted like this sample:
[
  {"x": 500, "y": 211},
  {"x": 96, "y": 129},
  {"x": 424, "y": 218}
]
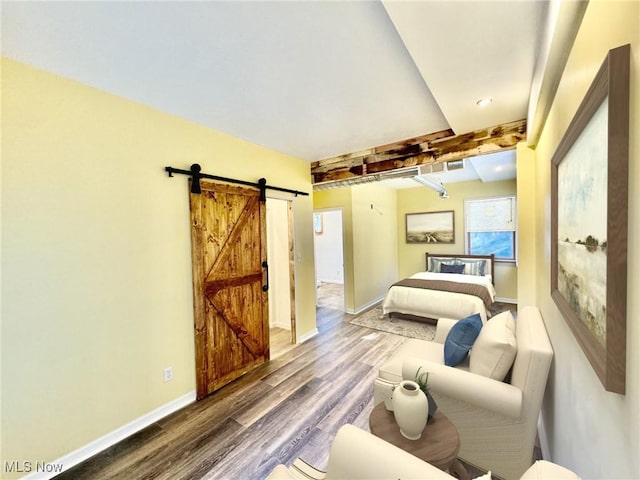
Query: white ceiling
[
  {"x": 310, "y": 79},
  {"x": 491, "y": 167}
]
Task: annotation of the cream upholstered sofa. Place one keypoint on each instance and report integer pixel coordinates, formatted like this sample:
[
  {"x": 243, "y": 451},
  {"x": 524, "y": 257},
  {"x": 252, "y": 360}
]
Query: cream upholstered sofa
[
  {"x": 496, "y": 419},
  {"x": 359, "y": 455}
]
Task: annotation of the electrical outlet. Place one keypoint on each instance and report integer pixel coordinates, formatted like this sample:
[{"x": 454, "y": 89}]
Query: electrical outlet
[{"x": 168, "y": 374}]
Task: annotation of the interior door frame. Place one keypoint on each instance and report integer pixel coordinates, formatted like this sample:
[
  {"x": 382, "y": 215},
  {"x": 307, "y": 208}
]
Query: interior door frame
[
  {"x": 339, "y": 210},
  {"x": 292, "y": 258}
]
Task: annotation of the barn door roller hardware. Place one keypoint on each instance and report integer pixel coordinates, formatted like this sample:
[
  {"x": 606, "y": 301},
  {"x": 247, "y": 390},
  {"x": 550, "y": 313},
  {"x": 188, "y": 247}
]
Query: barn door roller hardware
[{"x": 195, "y": 174}]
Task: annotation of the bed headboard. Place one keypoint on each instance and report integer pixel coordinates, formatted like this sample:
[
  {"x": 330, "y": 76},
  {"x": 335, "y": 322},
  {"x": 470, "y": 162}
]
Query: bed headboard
[{"x": 488, "y": 259}]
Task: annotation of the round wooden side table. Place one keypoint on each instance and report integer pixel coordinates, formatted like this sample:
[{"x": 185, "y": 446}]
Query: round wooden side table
[{"x": 438, "y": 445}]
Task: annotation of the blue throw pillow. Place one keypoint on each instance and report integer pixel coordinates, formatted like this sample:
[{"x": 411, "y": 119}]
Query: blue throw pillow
[
  {"x": 451, "y": 268},
  {"x": 460, "y": 339}
]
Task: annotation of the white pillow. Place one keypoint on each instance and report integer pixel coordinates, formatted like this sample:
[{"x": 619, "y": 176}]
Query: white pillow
[{"x": 495, "y": 348}]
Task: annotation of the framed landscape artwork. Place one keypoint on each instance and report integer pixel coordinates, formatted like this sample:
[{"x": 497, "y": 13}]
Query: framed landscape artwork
[
  {"x": 589, "y": 189},
  {"x": 430, "y": 227}
]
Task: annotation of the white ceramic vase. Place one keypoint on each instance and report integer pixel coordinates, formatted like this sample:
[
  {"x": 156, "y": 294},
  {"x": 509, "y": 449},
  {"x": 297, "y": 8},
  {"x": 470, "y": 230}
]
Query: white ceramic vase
[{"x": 410, "y": 408}]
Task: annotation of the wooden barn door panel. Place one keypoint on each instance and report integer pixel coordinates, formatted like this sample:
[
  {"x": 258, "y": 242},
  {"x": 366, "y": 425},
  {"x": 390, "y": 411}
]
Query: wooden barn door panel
[{"x": 230, "y": 307}]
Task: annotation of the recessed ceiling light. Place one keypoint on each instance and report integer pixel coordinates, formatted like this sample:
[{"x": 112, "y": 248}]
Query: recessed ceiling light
[{"x": 483, "y": 102}]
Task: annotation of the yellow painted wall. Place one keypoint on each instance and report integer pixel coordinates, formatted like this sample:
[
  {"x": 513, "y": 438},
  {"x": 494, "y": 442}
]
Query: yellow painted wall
[
  {"x": 526, "y": 184},
  {"x": 411, "y": 257},
  {"x": 591, "y": 431},
  {"x": 370, "y": 259},
  {"x": 375, "y": 242},
  {"x": 96, "y": 257}
]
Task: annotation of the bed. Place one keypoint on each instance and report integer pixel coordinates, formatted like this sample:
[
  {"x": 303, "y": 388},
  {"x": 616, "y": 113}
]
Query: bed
[{"x": 453, "y": 286}]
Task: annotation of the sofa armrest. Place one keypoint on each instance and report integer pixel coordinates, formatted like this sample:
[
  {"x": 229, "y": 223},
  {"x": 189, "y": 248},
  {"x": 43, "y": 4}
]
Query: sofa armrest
[
  {"x": 483, "y": 392},
  {"x": 359, "y": 455},
  {"x": 442, "y": 329},
  {"x": 545, "y": 469}
]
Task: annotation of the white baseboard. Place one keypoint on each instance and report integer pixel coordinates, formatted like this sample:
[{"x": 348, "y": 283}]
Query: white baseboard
[
  {"x": 362, "y": 308},
  {"x": 308, "y": 336},
  {"x": 506, "y": 300},
  {"x": 83, "y": 453},
  {"x": 285, "y": 326}
]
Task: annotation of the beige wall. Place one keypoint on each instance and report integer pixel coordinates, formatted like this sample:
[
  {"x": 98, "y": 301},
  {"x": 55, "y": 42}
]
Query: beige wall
[
  {"x": 374, "y": 242},
  {"x": 370, "y": 249},
  {"x": 96, "y": 257},
  {"x": 526, "y": 225},
  {"x": 411, "y": 257},
  {"x": 591, "y": 431}
]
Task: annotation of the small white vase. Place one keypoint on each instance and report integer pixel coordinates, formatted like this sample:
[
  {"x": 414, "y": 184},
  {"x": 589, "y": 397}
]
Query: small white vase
[{"x": 410, "y": 408}]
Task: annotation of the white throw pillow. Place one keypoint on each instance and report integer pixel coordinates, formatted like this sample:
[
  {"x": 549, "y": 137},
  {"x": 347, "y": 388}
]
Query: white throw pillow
[{"x": 495, "y": 348}]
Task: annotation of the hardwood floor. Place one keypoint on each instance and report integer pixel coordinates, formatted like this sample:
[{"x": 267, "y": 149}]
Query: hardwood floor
[
  {"x": 280, "y": 341},
  {"x": 291, "y": 407},
  {"x": 331, "y": 295}
]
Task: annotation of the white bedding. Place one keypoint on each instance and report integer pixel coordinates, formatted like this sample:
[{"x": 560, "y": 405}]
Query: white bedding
[{"x": 436, "y": 304}]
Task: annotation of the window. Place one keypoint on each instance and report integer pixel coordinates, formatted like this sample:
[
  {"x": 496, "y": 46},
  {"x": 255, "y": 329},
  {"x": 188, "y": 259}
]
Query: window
[{"x": 490, "y": 227}]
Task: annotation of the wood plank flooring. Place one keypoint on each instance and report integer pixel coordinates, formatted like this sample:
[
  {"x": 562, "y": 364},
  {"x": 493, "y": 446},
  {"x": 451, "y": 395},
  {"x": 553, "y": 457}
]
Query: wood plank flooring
[
  {"x": 331, "y": 295},
  {"x": 290, "y": 407}
]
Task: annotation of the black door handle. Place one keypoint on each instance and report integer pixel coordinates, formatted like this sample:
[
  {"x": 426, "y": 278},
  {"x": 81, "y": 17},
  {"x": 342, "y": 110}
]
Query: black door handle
[{"x": 265, "y": 265}]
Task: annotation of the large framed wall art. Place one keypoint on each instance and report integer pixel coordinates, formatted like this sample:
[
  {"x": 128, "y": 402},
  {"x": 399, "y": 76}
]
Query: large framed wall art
[
  {"x": 589, "y": 190},
  {"x": 430, "y": 227}
]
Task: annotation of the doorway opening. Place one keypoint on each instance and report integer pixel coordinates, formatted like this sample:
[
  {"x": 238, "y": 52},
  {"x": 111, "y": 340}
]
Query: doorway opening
[
  {"x": 281, "y": 260},
  {"x": 329, "y": 259}
]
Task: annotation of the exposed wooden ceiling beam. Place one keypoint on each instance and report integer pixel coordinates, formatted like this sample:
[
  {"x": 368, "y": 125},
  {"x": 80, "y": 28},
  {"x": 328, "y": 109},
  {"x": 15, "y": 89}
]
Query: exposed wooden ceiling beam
[{"x": 436, "y": 147}]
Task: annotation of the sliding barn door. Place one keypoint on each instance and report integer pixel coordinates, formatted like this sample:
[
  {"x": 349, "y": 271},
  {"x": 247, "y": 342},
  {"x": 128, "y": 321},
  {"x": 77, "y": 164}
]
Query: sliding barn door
[{"x": 230, "y": 305}]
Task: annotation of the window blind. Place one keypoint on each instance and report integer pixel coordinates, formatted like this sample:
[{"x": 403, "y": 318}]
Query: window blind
[{"x": 497, "y": 214}]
